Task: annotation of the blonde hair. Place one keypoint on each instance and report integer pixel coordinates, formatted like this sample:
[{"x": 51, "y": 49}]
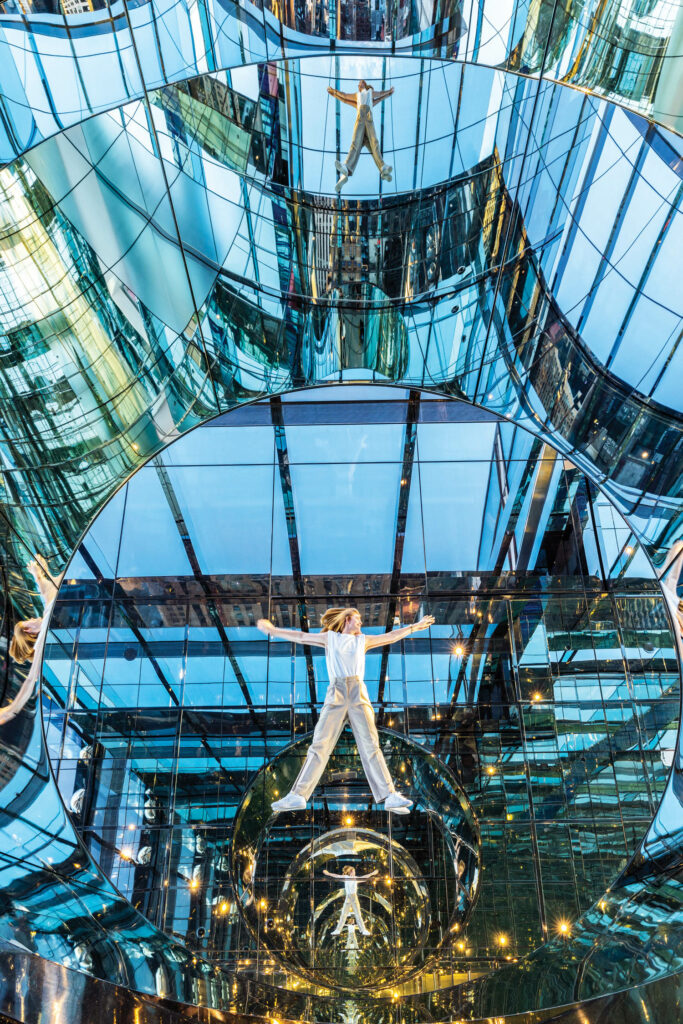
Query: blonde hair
[
  {"x": 335, "y": 619},
  {"x": 22, "y": 644},
  {"x": 348, "y": 870}
]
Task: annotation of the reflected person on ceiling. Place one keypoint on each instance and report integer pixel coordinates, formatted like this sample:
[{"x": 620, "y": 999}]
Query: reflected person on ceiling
[
  {"x": 364, "y": 133},
  {"x": 347, "y": 697}
]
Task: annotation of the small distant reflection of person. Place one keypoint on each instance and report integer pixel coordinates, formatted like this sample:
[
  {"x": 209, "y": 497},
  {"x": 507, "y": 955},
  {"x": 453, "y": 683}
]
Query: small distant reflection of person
[
  {"x": 461, "y": 868},
  {"x": 29, "y": 636},
  {"x": 351, "y": 940},
  {"x": 347, "y": 696},
  {"x": 364, "y": 133},
  {"x": 351, "y": 906}
]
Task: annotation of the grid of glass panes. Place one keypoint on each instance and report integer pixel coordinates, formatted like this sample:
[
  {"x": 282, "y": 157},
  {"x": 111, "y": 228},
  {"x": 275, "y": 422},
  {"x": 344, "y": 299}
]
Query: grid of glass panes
[{"x": 548, "y": 683}]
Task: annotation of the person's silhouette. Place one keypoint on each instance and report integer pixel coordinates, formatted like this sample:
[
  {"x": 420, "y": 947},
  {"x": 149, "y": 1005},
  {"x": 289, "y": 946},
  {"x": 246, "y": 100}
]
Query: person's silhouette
[{"x": 364, "y": 133}]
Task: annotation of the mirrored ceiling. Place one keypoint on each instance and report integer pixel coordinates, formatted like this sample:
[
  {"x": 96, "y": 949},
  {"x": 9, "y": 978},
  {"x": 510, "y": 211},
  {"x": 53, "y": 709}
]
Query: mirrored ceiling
[{"x": 548, "y": 684}]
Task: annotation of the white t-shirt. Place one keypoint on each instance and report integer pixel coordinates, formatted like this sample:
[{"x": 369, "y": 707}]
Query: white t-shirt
[
  {"x": 345, "y": 655},
  {"x": 350, "y": 886},
  {"x": 364, "y": 98}
]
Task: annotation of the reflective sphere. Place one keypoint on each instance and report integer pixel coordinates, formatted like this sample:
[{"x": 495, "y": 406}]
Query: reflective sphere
[{"x": 343, "y": 893}]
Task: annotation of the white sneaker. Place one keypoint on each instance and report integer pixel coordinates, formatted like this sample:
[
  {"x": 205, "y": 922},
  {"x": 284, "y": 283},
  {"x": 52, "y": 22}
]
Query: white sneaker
[
  {"x": 341, "y": 168},
  {"x": 340, "y": 184},
  {"x": 386, "y": 172},
  {"x": 291, "y": 802},
  {"x": 397, "y": 804}
]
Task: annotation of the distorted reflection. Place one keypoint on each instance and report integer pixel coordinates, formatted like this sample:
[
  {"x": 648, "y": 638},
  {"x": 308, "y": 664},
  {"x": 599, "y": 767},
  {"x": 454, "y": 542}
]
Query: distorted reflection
[
  {"x": 548, "y": 683},
  {"x": 408, "y": 885},
  {"x": 364, "y": 133}
]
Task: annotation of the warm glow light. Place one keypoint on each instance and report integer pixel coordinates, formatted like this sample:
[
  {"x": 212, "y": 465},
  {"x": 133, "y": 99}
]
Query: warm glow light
[
  {"x": 194, "y": 883},
  {"x": 491, "y": 770},
  {"x": 628, "y": 550},
  {"x": 262, "y": 904},
  {"x": 458, "y": 651},
  {"x": 502, "y": 939},
  {"x": 348, "y": 821},
  {"x": 563, "y": 927},
  {"x": 126, "y": 853},
  {"x": 224, "y": 908},
  {"x": 461, "y": 946},
  {"x": 537, "y": 696}
]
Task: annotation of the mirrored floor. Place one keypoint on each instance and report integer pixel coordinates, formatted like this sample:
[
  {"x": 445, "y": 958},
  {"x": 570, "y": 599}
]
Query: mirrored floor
[{"x": 548, "y": 685}]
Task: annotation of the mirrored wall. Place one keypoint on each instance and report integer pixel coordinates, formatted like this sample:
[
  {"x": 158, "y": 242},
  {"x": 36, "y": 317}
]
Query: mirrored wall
[{"x": 547, "y": 687}]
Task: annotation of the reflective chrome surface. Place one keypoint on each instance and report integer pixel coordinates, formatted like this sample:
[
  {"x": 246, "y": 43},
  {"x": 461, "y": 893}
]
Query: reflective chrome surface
[
  {"x": 171, "y": 250},
  {"x": 560, "y": 674},
  {"x": 64, "y": 60}
]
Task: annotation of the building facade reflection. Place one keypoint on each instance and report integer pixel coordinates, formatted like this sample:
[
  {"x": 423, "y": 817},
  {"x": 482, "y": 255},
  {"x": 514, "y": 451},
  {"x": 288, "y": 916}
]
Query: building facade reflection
[{"x": 171, "y": 251}]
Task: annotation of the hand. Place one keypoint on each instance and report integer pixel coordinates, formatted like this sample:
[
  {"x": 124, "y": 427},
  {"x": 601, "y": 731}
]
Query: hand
[
  {"x": 391, "y": 91},
  {"x": 425, "y": 622},
  {"x": 43, "y": 567},
  {"x": 330, "y": 90},
  {"x": 266, "y": 626},
  {"x": 33, "y": 568}
]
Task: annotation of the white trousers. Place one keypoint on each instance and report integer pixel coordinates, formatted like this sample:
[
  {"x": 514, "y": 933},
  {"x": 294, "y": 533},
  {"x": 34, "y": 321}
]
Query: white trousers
[
  {"x": 351, "y": 906},
  {"x": 347, "y": 697}
]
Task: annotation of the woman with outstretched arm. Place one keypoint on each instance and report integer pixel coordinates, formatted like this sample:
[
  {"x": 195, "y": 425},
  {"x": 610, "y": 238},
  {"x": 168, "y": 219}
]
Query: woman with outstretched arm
[
  {"x": 351, "y": 906},
  {"x": 347, "y": 697},
  {"x": 29, "y": 636}
]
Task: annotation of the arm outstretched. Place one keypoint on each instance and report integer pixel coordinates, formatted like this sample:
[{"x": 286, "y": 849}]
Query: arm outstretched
[
  {"x": 398, "y": 634},
  {"x": 383, "y": 94},
  {"x": 337, "y": 878},
  {"x": 295, "y": 636},
  {"x": 364, "y": 878},
  {"x": 345, "y": 97},
  {"x": 47, "y": 584}
]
